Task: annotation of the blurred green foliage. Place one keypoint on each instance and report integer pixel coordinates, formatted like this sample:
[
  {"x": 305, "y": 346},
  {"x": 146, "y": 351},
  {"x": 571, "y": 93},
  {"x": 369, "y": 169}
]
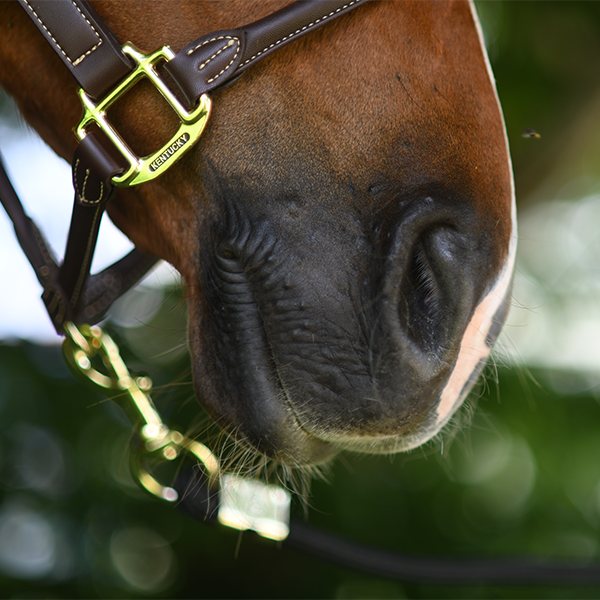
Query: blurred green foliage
[
  {"x": 522, "y": 479},
  {"x": 544, "y": 57}
]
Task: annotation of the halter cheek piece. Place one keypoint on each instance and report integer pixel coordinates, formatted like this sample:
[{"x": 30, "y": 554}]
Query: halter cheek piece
[{"x": 105, "y": 70}]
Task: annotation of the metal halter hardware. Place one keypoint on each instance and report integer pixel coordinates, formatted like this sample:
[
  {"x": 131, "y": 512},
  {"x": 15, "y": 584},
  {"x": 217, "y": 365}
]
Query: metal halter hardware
[
  {"x": 192, "y": 123},
  {"x": 82, "y": 346},
  {"x": 94, "y": 357}
]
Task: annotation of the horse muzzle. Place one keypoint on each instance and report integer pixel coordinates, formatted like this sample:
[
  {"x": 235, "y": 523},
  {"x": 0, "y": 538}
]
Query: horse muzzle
[{"x": 344, "y": 338}]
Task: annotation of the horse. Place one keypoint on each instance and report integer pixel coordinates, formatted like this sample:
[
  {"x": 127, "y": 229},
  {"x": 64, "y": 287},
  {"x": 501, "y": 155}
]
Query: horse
[{"x": 345, "y": 227}]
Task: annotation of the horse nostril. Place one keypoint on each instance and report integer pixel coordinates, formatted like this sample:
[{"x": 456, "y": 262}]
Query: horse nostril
[
  {"x": 434, "y": 288},
  {"x": 423, "y": 282},
  {"x": 419, "y": 300}
]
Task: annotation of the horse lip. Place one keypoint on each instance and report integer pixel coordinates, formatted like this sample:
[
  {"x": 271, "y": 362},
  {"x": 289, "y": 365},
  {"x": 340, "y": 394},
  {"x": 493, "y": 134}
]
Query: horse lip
[
  {"x": 270, "y": 425},
  {"x": 260, "y": 413},
  {"x": 389, "y": 444}
]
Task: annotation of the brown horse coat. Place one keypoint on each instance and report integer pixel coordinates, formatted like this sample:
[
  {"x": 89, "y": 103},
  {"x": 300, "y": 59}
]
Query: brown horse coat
[{"x": 345, "y": 226}]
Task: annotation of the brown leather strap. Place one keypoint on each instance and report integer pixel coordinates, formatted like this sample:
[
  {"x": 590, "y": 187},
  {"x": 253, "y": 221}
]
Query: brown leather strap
[
  {"x": 214, "y": 59},
  {"x": 93, "y": 188},
  {"x": 103, "y": 288},
  {"x": 96, "y": 293},
  {"x": 91, "y": 52},
  {"x": 30, "y": 239},
  {"x": 93, "y": 170},
  {"x": 86, "y": 46}
]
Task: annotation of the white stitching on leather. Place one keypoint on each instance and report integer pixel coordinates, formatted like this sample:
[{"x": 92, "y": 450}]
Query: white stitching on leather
[
  {"x": 227, "y": 45},
  {"x": 298, "y": 31},
  {"x": 81, "y": 195},
  {"x": 77, "y": 60},
  {"x": 232, "y": 40}
]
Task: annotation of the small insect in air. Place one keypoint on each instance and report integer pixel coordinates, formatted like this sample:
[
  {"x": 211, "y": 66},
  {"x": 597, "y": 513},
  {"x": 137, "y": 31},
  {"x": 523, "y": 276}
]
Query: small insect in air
[{"x": 531, "y": 133}]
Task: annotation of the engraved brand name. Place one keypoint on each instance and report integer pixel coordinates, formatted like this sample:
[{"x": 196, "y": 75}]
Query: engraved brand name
[{"x": 177, "y": 145}]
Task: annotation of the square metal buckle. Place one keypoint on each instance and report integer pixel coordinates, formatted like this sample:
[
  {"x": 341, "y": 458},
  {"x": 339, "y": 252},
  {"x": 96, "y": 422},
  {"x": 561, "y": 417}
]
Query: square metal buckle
[{"x": 146, "y": 168}]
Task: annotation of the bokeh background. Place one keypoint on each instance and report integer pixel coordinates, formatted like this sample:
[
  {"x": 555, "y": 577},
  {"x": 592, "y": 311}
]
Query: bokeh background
[{"x": 517, "y": 474}]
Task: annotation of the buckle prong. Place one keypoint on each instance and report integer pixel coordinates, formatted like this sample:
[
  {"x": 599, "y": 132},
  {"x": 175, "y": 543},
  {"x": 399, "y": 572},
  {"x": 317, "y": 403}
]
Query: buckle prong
[{"x": 192, "y": 123}]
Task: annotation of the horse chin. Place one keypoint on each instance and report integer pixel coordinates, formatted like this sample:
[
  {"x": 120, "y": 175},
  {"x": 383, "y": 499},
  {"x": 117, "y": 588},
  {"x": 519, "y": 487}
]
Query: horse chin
[{"x": 385, "y": 445}]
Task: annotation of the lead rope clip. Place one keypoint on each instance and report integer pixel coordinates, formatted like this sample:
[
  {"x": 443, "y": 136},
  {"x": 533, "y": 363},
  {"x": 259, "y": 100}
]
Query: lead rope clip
[{"x": 243, "y": 504}]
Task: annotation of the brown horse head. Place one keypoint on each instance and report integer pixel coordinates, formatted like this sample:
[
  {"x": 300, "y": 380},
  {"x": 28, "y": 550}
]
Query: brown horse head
[{"x": 345, "y": 226}]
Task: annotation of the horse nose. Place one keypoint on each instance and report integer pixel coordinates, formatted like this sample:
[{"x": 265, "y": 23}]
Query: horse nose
[
  {"x": 414, "y": 315},
  {"x": 329, "y": 344}
]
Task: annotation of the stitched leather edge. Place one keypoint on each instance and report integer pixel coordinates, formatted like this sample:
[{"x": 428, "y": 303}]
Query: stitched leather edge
[
  {"x": 299, "y": 32},
  {"x": 85, "y": 54}
]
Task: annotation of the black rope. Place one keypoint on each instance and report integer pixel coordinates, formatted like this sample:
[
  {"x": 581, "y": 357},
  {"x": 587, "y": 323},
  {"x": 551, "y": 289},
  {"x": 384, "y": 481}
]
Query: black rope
[
  {"x": 200, "y": 503},
  {"x": 426, "y": 569}
]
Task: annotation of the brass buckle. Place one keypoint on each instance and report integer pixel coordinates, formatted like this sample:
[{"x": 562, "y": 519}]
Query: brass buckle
[{"x": 146, "y": 168}]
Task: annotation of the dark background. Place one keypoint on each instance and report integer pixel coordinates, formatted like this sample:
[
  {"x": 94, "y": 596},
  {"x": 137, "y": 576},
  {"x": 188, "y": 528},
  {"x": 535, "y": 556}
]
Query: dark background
[{"x": 518, "y": 473}]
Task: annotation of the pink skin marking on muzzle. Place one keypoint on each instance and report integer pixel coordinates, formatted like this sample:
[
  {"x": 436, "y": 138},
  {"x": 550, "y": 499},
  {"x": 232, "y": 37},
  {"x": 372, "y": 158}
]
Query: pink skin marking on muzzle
[{"x": 473, "y": 348}]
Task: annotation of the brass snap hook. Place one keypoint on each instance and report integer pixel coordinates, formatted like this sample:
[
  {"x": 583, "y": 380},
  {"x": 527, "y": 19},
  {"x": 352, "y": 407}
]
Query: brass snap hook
[
  {"x": 243, "y": 504},
  {"x": 84, "y": 347}
]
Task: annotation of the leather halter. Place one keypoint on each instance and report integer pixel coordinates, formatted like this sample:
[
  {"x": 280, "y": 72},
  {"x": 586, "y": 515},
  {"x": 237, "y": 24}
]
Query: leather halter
[{"x": 101, "y": 65}]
